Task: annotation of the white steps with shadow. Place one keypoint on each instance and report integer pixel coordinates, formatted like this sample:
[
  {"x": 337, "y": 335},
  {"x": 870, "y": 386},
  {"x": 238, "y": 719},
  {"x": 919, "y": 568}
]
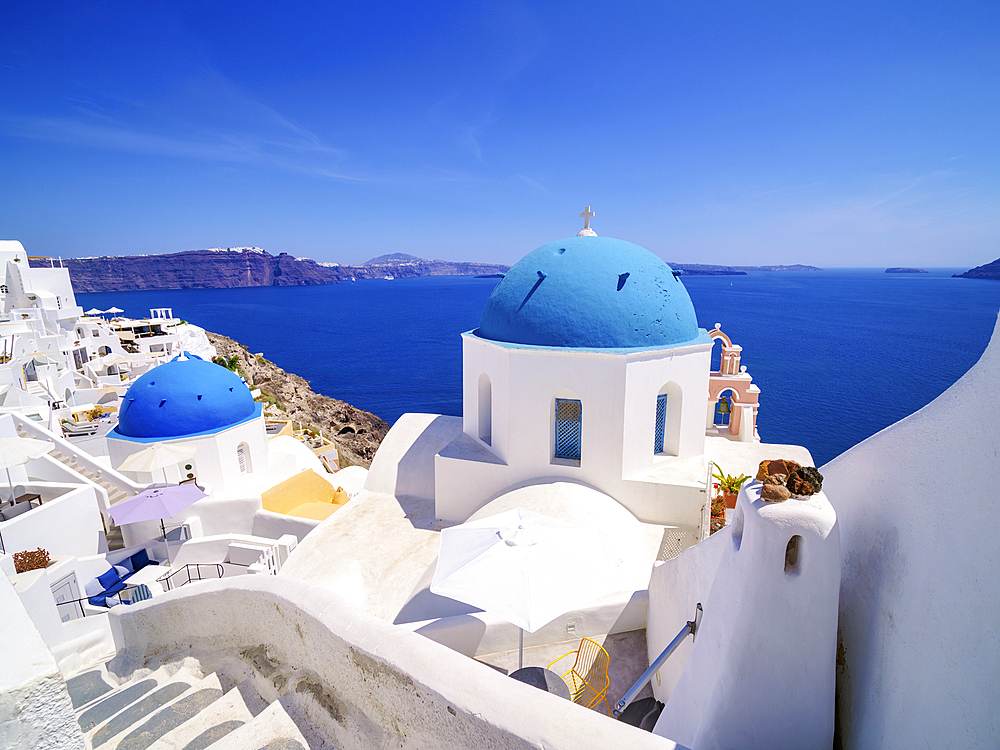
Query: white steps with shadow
[
  {"x": 273, "y": 729},
  {"x": 145, "y": 721},
  {"x": 225, "y": 715},
  {"x": 177, "y": 707}
]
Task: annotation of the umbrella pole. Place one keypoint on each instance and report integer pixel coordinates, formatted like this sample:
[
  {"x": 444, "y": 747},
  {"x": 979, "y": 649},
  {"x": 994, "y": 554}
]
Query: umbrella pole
[
  {"x": 520, "y": 648},
  {"x": 10, "y": 483}
]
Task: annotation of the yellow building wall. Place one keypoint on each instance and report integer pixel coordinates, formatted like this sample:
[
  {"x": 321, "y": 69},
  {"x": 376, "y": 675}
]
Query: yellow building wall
[{"x": 306, "y": 495}]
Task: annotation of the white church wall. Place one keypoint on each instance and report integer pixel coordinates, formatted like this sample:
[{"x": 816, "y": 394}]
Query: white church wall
[
  {"x": 35, "y": 709},
  {"x": 479, "y": 358},
  {"x": 919, "y": 594},
  {"x": 216, "y": 461},
  {"x": 647, "y": 374},
  {"x": 761, "y": 671}
]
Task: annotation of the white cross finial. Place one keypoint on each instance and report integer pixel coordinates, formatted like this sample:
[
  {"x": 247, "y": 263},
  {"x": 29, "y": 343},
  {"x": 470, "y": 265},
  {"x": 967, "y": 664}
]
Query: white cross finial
[{"x": 587, "y": 231}]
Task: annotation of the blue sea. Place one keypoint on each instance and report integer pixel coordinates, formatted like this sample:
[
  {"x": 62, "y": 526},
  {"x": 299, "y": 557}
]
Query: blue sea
[{"x": 838, "y": 354}]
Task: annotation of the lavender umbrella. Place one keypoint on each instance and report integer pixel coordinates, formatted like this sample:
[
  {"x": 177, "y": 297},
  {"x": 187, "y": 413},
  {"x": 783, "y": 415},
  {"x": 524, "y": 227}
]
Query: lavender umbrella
[{"x": 157, "y": 503}]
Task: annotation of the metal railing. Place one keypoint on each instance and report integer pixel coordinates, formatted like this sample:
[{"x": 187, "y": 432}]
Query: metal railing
[
  {"x": 688, "y": 630},
  {"x": 168, "y": 581},
  {"x": 117, "y": 595}
]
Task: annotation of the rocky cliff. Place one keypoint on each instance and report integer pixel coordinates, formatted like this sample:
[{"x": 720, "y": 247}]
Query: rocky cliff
[
  {"x": 356, "y": 433},
  {"x": 989, "y": 271},
  {"x": 239, "y": 267}
]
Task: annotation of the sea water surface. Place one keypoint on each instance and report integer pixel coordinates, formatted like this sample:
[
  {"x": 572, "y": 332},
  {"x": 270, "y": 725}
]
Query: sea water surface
[{"x": 838, "y": 354}]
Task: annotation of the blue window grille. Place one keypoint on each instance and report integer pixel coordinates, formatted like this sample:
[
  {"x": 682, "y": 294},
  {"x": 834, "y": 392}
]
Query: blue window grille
[
  {"x": 569, "y": 421},
  {"x": 661, "y": 422}
]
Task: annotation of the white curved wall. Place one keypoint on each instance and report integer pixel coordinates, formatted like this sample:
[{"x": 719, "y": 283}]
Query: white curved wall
[
  {"x": 390, "y": 687},
  {"x": 761, "y": 671},
  {"x": 920, "y": 594}
]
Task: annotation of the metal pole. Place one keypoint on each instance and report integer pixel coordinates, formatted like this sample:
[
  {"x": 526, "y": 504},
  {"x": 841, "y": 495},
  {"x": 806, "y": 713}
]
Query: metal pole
[
  {"x": 520, "y": 648},
  {"x": 689, "y": 629}
]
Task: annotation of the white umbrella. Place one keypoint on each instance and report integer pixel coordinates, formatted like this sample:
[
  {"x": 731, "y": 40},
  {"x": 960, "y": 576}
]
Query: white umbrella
[
  {"x": 94, "y": 311},
  {"x": 523, "y": 566},
  {"x": 114, "y": 310},
  {"x": 15, "y": 451},
  {"x": 158, "y": 456}
]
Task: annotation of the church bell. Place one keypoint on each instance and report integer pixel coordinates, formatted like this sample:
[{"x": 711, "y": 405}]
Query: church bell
[{"x": 723, "y": 407}]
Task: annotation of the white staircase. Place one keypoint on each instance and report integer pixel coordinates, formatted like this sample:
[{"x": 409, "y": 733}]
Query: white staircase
[{"x": 176, "y": 707}]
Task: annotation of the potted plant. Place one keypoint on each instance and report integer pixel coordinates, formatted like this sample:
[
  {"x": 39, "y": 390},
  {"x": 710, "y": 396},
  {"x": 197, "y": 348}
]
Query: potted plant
[{"x": 728, "y": 485}]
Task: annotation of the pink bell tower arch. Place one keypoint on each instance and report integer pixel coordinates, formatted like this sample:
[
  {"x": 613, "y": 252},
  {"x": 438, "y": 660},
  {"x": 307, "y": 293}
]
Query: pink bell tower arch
[{"x": 731, "y": 392}]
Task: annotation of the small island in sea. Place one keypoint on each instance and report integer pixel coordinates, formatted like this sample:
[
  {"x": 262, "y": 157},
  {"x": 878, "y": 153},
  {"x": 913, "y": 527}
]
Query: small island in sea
[
  {"x": 988, "y": 271},
  {"x": 906, "y": 270}
]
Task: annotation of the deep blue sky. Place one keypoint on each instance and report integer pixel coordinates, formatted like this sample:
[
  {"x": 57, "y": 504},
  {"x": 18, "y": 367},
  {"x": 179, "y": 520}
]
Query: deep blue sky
[{"x": 837, "y": 134}]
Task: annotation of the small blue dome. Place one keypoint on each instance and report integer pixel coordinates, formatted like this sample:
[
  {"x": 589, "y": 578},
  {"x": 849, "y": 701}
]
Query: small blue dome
[
  {"x": 590, "y": 292},
  {"x": 184, "y": 397}
]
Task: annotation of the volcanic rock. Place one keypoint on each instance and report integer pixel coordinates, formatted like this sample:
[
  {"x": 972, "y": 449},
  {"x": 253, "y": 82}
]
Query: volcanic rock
[
  {"x": 805, "y": 481},
  {"x": 776, "y": 471},
  {"x": 774, "y": 493},
  {"x": 356, "y": 433}
]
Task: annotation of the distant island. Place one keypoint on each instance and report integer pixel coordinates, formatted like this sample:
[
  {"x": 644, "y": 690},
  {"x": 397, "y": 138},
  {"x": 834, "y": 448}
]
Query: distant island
[
  {"x": 244, "y": 267},
  {"x": 702, "y": 269},
  {"x": 989, "y": 271},
  {"x": 906, "y": 270},
  {"x": 228, "y": 267}
]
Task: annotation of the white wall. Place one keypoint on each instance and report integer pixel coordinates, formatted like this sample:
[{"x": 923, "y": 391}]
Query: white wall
[
  {"x": 69, "y": 525},
  {"x": 35, "y": 709},
  {"x": 761, "y": 671},
  {"x": 215, "y": 462},
  {"x": 391, "y": 687},
  {"x": 618, "y": 392},
  {"x": 919, "y": 595},
  {"x": 75, "y": 643}
]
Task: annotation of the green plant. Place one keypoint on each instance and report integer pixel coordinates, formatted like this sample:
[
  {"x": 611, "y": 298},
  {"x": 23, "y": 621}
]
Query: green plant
[
  {"x": 728, "y": 484},
  {"x": 230, "y": 363}
]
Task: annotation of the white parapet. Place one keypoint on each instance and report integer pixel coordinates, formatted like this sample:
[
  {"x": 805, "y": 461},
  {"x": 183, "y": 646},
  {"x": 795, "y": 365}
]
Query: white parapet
[
  {"x": 35, "y": 709},
  {"x": 761, "y": 671}
]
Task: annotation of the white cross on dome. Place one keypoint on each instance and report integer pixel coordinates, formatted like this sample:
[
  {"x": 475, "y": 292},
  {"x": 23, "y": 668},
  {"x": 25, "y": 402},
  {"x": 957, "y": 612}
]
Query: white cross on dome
[{"x": 587, "y": 231}]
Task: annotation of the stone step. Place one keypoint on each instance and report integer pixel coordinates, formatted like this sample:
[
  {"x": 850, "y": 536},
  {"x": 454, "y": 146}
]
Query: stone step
[
  {"x": 146, "y": 720},
  {"x": 142, "y": 696},
  {"x": 122, "y": 694},
  {"x": 272, "y": 729},
  {"x": 213, "y": 723},
  {"x": 168, "y": 720}
]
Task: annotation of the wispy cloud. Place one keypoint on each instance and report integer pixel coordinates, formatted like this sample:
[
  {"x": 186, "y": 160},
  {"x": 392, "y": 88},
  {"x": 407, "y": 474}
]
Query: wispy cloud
[{"x": 237, "y": 130}]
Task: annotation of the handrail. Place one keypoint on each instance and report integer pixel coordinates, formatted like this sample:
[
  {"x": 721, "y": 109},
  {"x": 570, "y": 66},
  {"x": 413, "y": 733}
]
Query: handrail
[
  {"x": 79, "y": 602},
  {"x": 167, "y": 578},
  {"x": 690, "y": 629}
]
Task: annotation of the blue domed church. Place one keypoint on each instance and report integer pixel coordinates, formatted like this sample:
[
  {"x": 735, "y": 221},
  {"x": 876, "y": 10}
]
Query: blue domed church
[
  {"x": 193, "y": 402},
  {"x": 588, "y": 365}
]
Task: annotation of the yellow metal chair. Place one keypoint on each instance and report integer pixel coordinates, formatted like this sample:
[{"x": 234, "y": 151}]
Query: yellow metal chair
[{"x": 587, "y": 679}]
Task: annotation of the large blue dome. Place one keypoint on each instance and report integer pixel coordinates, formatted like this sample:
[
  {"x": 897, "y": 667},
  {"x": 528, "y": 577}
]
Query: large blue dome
[
  {"x": 590, "y": 292},
  {"x": 184, "y": 397}
]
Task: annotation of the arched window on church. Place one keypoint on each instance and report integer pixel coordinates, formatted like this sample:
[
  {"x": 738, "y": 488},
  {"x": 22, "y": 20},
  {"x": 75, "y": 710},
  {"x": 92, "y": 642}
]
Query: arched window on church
[
  {"x": 661, "y": 422},
  {"x": 4, "y": 289},
  {"x": 243, "y": 456},
  {"x": 485, "y": 409},
  {"x": 569, "y": 428},
  {"x": 667, "y": 432}
]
